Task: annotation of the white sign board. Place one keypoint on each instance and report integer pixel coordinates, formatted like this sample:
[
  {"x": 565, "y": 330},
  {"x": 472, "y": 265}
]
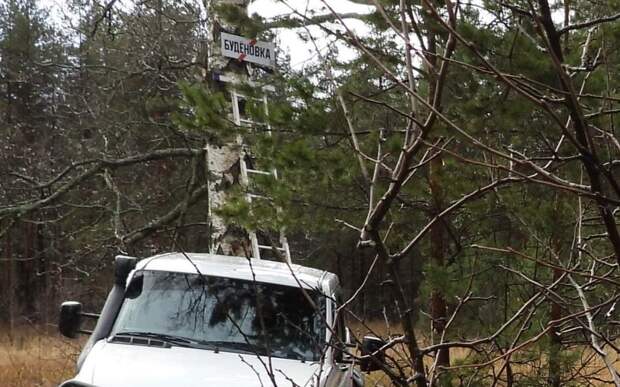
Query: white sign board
[{"x": 249, "y": 50}]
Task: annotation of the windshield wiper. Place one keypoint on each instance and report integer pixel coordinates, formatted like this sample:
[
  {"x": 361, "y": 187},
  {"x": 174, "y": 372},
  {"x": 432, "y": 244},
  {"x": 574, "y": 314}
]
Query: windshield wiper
[
  {"x": 235, "y": 346},
  {"x": 254, "y": 349},
  {"x": 171, "y": 339},
  {"x": 204, "y": 344}
]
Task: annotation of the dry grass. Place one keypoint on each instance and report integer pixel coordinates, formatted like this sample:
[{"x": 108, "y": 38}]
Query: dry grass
[
  {"x": 591, "y": 368},
  {"x": 35, "y": 358}
]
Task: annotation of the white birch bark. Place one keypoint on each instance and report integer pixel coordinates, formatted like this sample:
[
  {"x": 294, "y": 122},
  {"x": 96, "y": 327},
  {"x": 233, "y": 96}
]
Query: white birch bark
[{"x": 222, "y": 161}]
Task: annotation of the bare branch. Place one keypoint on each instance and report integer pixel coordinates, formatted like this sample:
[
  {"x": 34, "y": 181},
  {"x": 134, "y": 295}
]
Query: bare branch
[{"x": 589, "y": 23}]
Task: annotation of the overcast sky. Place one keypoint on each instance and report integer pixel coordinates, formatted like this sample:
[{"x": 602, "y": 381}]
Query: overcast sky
[
  {"x": 299, "y": 51},
  {"x": 289, "y": 41}
]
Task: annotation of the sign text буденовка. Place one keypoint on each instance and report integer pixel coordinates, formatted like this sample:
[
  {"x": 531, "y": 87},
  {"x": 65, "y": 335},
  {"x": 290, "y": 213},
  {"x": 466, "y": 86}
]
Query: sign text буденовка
[{"x": 249, "y": 50}]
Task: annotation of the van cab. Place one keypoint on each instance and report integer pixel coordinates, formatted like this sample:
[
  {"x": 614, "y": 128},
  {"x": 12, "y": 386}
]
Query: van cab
[{"x": 193, "y": 320}]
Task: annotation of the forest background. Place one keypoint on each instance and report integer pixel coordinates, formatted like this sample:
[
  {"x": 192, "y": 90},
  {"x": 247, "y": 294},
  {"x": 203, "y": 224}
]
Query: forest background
[{"x": 459, "y": 173}]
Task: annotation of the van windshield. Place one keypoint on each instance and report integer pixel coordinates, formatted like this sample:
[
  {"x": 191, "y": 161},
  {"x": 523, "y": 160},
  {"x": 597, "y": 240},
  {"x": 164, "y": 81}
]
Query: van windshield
[{"x": 224, "y": 314}]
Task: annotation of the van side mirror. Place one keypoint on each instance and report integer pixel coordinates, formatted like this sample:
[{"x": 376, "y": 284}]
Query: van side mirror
[
  {"x": 372, "y": 356},
  {"x": 70, "y": 319}
]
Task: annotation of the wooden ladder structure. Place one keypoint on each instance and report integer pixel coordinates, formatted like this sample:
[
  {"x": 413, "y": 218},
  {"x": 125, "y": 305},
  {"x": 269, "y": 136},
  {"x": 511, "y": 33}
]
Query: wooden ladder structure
[{"x": 260, "y": 240}]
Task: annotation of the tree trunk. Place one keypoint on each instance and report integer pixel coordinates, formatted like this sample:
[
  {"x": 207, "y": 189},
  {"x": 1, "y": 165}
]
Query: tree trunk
[
  {"x": 555, "y": 345},
  {"x": 223, "y": 161},
  {"x": 10, "y": 282},
  {"x": 437, "y": 253},
  {"x": 556, "y": 342},
  {"x": 41, "y": 274},
  {"x": 26, "y": 287}
]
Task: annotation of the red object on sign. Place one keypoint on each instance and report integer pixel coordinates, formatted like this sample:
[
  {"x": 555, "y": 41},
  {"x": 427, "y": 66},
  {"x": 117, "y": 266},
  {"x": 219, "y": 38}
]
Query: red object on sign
[{"x": 243, "y": 55}]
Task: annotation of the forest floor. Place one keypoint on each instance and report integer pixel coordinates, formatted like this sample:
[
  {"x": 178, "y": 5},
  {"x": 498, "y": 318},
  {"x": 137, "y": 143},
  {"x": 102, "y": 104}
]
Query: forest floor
[
  {"x": 42, "y": 358},
  {"x": 529, "y": 369}
]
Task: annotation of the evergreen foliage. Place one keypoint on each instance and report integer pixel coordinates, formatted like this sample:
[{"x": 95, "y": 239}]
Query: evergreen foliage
[{"x": 103, "y": 129}]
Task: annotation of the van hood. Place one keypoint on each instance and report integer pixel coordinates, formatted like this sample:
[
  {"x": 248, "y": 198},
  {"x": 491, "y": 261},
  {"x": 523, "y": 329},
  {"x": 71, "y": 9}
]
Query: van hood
[{"x": 122, "y": 365}]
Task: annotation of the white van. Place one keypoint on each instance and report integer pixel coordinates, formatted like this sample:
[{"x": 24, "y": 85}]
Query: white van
[{"x": 203, "y": 320}]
